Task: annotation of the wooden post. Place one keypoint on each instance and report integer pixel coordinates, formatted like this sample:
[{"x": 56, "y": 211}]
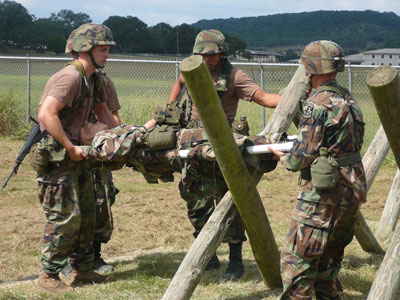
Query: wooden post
[
  {"x": 387, "y": 280},
  {"x": 182, "y": 285},
  {"x": 372, "y": 161},
  {"x": 287, "y": 109},
  {"x": 237, "y": 177},
  {"x": 391, "y": 212},
  {"x": 384, "y": 86},
  {"x": 206, "y": 243}
]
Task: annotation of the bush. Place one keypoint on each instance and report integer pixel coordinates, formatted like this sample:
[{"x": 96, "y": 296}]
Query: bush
[{"x": 11, "y": 118}]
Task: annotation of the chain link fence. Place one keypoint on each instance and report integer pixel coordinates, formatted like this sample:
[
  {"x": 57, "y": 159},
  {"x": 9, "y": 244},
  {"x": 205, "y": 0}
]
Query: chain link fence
[{"x": 142, "y": 85}]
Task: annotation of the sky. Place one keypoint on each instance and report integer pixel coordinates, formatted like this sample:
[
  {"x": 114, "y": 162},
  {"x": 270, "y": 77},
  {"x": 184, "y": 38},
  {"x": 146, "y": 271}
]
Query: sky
[{"x": 176, "y": 12}]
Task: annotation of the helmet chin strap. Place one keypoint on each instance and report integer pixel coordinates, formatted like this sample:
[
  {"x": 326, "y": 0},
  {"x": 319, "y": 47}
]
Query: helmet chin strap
[{"x": 93, "y": 60}]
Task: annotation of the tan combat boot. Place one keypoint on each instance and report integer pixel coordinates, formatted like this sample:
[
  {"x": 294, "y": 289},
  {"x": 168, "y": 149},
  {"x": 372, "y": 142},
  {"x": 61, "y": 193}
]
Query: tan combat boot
[
  {"x": 89, "y": 277},
  {"x": 53, "y": 283}
]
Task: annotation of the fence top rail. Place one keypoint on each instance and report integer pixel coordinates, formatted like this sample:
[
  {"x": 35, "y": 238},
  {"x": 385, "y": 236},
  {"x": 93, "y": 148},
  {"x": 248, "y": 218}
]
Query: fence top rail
[{"x": 174, "y": 62}]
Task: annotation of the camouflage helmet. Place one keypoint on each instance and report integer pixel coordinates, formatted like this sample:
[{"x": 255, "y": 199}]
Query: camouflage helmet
[
  {"x": 323, "y": 57},
  {"x": 210, "y": 41},
  {"x": 70, "y": 42},
  {"x": 88, "y": 35}
]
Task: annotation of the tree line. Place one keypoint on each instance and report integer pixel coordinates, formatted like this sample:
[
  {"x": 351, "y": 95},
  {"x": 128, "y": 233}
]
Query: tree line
[
  {"x": 355, "y": 31},
  {"x": 21, "y": 30}
]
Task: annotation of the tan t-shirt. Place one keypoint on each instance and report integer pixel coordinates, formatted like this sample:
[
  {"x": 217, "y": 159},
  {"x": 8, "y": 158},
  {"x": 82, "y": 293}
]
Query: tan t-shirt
[
  {"x": 111, "y": 94},
  {"x": 240, "y": 86},
  {"x": 66, "y": 86}
]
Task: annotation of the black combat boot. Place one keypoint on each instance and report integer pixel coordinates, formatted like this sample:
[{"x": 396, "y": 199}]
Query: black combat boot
[
  {"x": 99, "y": 264},
  {"x": 235, "y": 268},
  {"x": 213, "y": 263}
]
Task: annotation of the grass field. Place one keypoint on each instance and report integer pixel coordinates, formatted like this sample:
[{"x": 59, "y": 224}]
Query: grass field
[
  {"x": 152, "y": 232},
  {"x": 142, "y": 86},
  {"x": 152, "y": 235}
]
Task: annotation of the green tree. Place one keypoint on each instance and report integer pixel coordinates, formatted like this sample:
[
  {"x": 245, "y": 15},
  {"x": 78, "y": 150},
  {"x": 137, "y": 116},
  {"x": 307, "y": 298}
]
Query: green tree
[
  {"x": 160, "y": 33},
  {"x": 182, "y": 36},
  {"x": 131, "y": 34},
  {"x": 70, "y": 20},
  {"x": 289, "y": 55},
  {"x": 46, "y": 30},
  {"x": 16, "y": 25},
  {"x": 56, "y": 44},
  {"x": 236, "y": 44}
]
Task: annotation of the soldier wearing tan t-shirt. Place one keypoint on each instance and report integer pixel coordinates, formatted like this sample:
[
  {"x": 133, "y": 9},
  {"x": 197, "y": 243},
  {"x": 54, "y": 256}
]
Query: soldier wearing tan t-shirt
[
  {"x": 104, "y": 188},
  {"x": 201, "y": 192},
  {"x": 65, "y": 188}
]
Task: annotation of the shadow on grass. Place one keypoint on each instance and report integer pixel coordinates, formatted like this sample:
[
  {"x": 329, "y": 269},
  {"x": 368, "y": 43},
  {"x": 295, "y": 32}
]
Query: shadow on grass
[
  {"x": 353, "y": 262},
  {"x": 165, "y": 265}
]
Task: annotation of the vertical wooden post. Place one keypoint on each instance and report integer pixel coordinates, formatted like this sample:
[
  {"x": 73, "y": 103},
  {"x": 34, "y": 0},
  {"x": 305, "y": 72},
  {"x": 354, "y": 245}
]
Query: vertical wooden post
[
  {"x": 187, "y": 276},
  {"x": 237, "y": 177}
]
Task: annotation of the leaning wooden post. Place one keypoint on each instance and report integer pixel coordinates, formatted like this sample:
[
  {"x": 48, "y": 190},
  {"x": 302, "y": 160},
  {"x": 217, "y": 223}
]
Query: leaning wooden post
[
  {"x": 187, "y": 276},
  {"x": 391, "y": 212},
  {"x": 387, "y": 279},
  {"x": 287, "y": 110},
  {"x": 372, "y": 161},
  {"x": 384, "y": 86},
  {"x": 237, "y": 177}
]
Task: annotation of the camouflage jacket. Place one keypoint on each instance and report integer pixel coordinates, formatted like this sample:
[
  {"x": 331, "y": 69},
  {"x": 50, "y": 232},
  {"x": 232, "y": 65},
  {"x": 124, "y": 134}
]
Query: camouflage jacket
[
  {"x": 327, "y": 121},
  {"x": 113, "y": 148}
]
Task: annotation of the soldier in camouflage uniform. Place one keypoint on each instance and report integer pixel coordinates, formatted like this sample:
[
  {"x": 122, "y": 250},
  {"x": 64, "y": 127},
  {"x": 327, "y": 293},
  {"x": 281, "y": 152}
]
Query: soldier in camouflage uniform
[
  {"x": 65, "y": 186},
  {"x": 202, "y": 188},
  {"x": 105, "y": 190},
  {"x": 327, "y": 153}
]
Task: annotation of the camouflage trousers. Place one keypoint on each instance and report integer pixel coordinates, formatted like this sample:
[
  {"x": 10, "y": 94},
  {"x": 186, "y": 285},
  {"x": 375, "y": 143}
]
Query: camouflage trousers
[
  {"x": 66, "y": 194},
  {"x": 105, "y": 193},
  {"x": 312, "y": 256},
  {"x": 202, "y": 194}
]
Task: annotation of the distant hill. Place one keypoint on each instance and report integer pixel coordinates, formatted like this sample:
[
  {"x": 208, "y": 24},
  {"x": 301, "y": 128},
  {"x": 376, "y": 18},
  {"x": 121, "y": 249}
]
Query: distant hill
[{"x": 353, "y": 30}]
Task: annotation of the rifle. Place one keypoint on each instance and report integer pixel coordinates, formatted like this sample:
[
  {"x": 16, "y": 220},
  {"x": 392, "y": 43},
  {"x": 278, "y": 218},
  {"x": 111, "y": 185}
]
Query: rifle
[{"x": 34, "y": 137}]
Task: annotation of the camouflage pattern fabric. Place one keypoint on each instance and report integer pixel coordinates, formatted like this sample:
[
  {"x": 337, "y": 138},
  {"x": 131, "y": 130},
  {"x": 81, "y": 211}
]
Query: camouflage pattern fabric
[
  {"x": 66, "y": 194},
  {"x": 323, "y": 57},
  {"x": 323, "y": 220},
  {"x": 202, "y": 184},
  {"x": 105, "y": 192},
  {"x": 88, "y": 35},
  {"x": 210, "y": 41},
  {"x": 69, "y": 45},
  {"x": 312, "y": 256}
]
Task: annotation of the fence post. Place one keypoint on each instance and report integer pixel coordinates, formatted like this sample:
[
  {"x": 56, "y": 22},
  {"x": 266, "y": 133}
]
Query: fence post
[
  {"x": 350, "y": 81},
  {"x": 262, "y": 87},
  {"x": 177, "y": 69},
  {"x": 28, "y": 90}
]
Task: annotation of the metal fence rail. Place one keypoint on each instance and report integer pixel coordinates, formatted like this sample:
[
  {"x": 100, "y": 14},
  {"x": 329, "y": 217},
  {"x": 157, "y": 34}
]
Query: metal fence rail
[{"x": 144, "y": 84}]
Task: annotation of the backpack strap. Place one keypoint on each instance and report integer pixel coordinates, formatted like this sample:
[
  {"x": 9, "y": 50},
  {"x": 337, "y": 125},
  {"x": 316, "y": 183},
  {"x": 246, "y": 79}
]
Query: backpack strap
[{"x": 85, "y": 90}]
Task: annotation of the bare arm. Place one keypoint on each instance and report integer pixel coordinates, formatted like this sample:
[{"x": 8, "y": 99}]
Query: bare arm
[
  {"x": 104, "y": 115},
  {"x": 266, "y": 99},
  {"x": 176, "y": 89},
  {"x": 48, "y": 116},
  {"x": 116, "y": 117}
]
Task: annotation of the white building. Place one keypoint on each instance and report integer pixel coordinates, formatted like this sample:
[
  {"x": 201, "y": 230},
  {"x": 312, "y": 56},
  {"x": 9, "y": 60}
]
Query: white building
[{"x": 387, "y": 57}]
